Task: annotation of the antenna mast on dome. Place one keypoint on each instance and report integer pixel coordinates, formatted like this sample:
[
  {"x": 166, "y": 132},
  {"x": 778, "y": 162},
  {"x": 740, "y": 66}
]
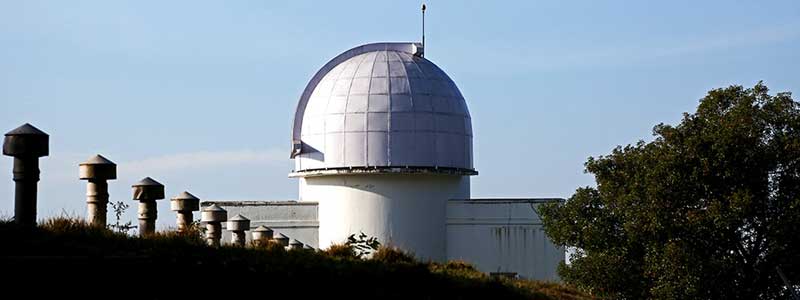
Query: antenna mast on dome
[{"x": 423, "y": 28}]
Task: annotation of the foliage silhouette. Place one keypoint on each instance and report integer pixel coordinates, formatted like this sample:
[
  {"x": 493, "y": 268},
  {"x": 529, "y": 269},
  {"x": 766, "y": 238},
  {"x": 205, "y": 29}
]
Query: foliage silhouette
[
  {"x": 119, "y": 208},
  {"x": 362, "y": 244},
  {"x": 707, "y": 210}
]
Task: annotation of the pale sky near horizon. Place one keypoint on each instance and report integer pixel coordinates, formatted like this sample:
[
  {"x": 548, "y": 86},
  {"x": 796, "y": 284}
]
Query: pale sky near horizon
[{"x": 200, "y": 95}]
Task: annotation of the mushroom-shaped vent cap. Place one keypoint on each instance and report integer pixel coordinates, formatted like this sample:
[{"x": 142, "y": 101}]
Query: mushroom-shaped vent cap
[
  {"x": 239, "y": 218},
  {"x": 98, "y": 167},
  {"x": 238, "y": 223},
  {"x": 213, "y": 213},
  {"x": 282, "y": 239},
  {"x": 26, "y": 141},
  {"x": 148, "y": 189},
  {"x": 295, "y": 244},
  {"x": 185, "y": 201},
  {"x": 262, "y": 232},
  {"x": 262, "y": 228},
  {"x": 147, "y": 181},
  {"x": 26, "y": 129},
  {"x": 98, "y": 160},
  {"x": 214, "y": 207}
]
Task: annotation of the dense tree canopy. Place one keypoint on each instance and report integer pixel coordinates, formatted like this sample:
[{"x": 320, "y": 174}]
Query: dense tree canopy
[{"x": 707, "y": 210}]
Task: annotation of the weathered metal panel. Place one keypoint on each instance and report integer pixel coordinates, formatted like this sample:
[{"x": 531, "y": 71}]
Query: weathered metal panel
[
  {"x": 402, "y": 121},
  {"x": 375, "y": 154},
  {"x": 355, "y": 152},
  {"x": 425, "y": 155},
  {"x": 402, "y": 147},
  {"x": 334, "y": 150},
  {"x": 355, "y": 122}
]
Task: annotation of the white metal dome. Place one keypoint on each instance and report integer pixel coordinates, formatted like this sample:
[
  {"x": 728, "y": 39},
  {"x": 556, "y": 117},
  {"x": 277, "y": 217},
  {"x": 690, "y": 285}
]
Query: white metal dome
[{"x": 382, "y": 108}]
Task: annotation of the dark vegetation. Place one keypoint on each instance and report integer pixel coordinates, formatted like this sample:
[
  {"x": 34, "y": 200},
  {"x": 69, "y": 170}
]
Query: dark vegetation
[
  {"x": 67, "y": 258},
  {"x": 710, "y": 209}
]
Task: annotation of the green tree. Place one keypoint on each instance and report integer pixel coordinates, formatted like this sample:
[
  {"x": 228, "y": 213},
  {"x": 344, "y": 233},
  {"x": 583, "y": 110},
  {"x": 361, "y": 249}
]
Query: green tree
[{"x": 707, "y": 210}]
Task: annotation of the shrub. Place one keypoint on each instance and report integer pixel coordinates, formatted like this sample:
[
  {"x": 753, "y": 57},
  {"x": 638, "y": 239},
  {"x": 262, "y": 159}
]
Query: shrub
[
  {"x": 341, "y": 251},
  {"x": 393, "y": 255}
]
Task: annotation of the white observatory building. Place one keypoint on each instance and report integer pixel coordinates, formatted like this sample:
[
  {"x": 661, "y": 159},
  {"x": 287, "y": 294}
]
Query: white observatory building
[
  {"x": 382, "y": 139},
  {"x": 382, "y": 144}
]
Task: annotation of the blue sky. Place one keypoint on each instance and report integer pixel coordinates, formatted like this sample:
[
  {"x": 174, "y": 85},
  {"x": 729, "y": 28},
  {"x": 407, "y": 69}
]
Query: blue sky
[{"x": 200, "y": 94}]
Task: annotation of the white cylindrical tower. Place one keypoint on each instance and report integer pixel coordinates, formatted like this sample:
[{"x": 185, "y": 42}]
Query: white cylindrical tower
[{"x": 382, "y": 138}]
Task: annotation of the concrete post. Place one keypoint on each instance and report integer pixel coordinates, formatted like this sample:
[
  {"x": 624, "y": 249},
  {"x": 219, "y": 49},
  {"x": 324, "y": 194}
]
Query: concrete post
[
  {"x": 295, "y": 245},
  {"x": 147, "y": 191},
  {"x": 96, "y": 171},
  {"x": 26, "y": 144},
  {"x": 184, "y": 204},
  {"x": 213, "y": 216},
  {"x": 282, "y": 240},
  {"x": 237, "y": 226},
  {"x": 262, "y": 235}
]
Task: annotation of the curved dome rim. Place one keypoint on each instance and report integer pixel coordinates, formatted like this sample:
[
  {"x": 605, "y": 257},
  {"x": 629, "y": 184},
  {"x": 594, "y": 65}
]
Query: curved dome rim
[{"x": 407, "y": 47}]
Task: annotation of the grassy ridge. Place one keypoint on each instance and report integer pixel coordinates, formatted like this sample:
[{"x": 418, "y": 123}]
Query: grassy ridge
[{"x": 167, "y": 265}]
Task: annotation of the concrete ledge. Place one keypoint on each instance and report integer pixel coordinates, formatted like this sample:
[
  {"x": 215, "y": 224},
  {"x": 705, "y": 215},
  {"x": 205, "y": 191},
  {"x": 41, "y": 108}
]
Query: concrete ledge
[
  {"x": 384, "y": 170},
  {"x": 258, "y": 203}
]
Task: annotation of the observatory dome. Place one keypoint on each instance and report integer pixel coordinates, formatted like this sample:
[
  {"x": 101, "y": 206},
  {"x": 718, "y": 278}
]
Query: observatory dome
[{"x": 382, "y": 108}]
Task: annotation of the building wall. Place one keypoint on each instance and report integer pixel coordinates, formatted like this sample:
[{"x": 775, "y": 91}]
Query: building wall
[
  {"x": 294, "y": 219},
  {"x": 502, "y": 235},
  {"x": 496, "y": 235},
  {"x": 407, "y": 211}
]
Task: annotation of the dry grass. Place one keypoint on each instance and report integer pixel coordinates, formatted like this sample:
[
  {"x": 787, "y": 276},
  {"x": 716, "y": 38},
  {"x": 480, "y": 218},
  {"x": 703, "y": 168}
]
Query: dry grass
[
  {"x": 392, "y": 255},
  {"x": 71, "y": 250},
  {"x": 266, "y": 246},
  {"x": 341, "y": 251},
  {"x": 547, "y": 290}
]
